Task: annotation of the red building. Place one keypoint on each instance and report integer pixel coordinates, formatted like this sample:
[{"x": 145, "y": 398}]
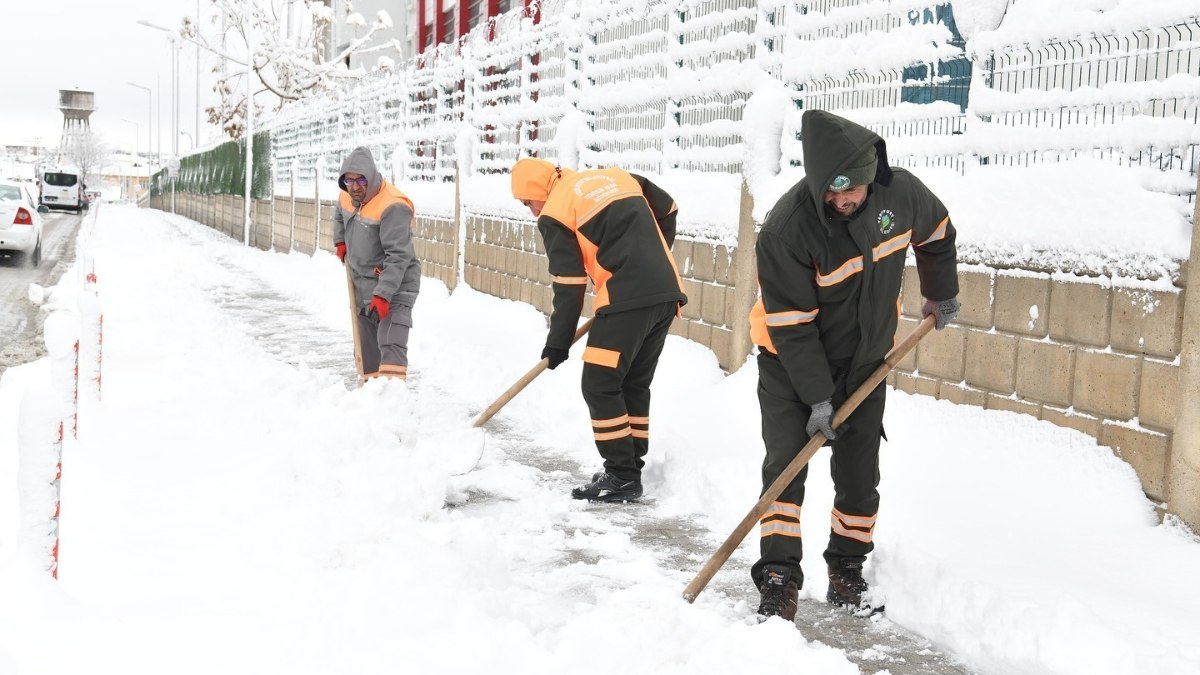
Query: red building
[{"x": 455, "y": 19}]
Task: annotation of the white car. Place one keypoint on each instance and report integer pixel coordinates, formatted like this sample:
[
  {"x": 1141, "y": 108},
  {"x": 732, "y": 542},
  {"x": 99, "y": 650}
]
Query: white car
[{"x": 20, "y": 223}]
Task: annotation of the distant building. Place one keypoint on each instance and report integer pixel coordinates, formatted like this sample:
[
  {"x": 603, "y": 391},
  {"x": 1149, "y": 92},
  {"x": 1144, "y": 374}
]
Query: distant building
[
  {"x": 441, "y": 21},
  {"x": 20, "y": 160},
  {"x": 123, "y": 176},
  {"x": 416, "y": 24}
]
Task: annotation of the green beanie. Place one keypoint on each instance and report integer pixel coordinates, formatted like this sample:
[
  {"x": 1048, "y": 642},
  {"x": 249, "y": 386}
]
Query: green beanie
[{"x": 861, "y": 171}]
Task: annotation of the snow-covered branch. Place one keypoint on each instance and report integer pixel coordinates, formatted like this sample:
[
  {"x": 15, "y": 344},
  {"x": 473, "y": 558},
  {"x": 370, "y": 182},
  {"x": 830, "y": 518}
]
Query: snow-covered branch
[{"x": 284, "y": 47}]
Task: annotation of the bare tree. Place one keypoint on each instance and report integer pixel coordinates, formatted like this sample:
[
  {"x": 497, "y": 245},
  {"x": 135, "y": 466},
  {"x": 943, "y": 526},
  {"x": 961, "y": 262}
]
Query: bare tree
[
  {"x": 87, "y": 152},
  {"x": 287, "y": 59}
]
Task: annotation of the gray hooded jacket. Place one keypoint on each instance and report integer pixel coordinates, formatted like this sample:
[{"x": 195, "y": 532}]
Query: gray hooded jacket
[{"x": 378, "y": 236}]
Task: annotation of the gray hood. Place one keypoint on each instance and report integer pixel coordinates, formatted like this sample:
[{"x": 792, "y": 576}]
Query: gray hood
[{"x": 361, "y": 162}]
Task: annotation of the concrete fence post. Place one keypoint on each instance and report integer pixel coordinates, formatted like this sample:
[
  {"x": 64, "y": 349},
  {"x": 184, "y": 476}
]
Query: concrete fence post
[
  {"x": 317, "y": 206},
  {"x": 745, "y": 281},
  {"x": 1183, "y": 465},
  {"x": 456, "y": 237},
  {"x": 292, "y": 202}
]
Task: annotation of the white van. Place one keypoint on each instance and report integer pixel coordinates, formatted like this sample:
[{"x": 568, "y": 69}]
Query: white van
[{"x": 62, "y": 189}]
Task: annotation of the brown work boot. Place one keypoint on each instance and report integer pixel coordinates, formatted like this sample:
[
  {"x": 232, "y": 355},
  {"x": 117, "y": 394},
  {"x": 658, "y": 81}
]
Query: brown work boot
[
  {"x": 846, "y": 583},
  {"x": 779, "y": 592}
]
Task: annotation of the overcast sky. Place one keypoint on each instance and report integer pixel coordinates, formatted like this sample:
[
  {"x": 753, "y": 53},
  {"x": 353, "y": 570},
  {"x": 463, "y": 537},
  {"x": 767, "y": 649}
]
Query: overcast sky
[{"x": 98, "y": 46}]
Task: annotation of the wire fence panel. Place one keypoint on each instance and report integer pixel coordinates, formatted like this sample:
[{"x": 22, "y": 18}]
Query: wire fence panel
[
  {"x": 662, "y": 85},
  {"x": 1094, "y": 96}
]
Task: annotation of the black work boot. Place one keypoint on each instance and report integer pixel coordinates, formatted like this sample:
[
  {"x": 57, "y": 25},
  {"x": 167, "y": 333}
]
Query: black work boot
[
  {"x": 846, "y": 583},
  {"x": 779, "y": 592},
  {"x": 609, "y": 488}
]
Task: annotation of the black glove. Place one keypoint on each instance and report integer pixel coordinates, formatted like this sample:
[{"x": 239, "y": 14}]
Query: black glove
[
  {"x": 944, "y": 311},
  {"x": 821, "y": 420},
  {"x": 555, "y": 355}
]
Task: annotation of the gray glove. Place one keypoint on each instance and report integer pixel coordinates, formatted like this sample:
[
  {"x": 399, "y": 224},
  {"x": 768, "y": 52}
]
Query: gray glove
[
  {"x": 944, "y": 311},
  {"x": 821, "y": 420}
]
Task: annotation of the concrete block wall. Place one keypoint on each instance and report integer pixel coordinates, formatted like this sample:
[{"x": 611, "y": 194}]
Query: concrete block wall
[
  {"x": 505, "y": 258},
  {"x": 712, "y": 311},
  {"x": 436, "y": 242},
  {"x": 304, "y": 225},
  {"x": 1079, "y": 352},
  {"x": 281, "y": 223}
]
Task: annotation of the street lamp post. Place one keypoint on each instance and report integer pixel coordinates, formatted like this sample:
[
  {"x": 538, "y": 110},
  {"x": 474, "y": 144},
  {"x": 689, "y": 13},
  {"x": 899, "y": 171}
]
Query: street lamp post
[
  {"x": 248, "y": 132},
  {"x": 174, "y": 162},
  {"x": 174, "y": 40},
  {"x": 197, "y": 132},
  {"x": 137, "y": 131},
  {"x": 191, "y": 141},
  {"x": 149, "y": 119}
]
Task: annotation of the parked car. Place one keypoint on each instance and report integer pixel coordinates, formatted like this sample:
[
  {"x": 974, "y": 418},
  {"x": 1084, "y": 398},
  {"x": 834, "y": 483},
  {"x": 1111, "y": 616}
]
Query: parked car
[
  {"x": 20, "y": 223},
  {"x": 62, "y": 189}
]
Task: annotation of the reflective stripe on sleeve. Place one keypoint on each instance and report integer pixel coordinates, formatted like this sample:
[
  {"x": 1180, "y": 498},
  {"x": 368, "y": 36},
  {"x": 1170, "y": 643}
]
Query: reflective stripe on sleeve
[
  {"x": 939, "y": 232},
  {"x": 790, "y": 318}
]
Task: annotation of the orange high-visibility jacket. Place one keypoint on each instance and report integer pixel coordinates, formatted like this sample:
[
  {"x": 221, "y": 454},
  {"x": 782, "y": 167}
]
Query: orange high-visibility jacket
[{"x": 615, "y": 229}]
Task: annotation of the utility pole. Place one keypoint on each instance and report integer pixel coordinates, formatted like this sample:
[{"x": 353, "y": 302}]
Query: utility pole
[
  {"x": 196, "y": 137},
  {"x": 248, "y": 134}
]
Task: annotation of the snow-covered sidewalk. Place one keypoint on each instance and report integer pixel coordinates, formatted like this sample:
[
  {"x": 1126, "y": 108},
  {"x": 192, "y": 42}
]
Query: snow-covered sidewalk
[{"x": 234, "y": 504}]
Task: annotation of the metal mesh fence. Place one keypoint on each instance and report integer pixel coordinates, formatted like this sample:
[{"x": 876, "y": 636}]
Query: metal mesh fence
[{"x": 659, "y": 85}]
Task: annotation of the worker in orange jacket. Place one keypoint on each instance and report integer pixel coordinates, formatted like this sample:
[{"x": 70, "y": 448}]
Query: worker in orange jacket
[{"x": 615, "y": 229}]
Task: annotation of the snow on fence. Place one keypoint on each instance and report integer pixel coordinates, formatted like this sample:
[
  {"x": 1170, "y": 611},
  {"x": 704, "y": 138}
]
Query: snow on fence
[{"x": 660, "y": 86}]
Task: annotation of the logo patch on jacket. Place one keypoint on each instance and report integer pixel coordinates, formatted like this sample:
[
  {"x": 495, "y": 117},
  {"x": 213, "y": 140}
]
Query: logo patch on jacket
[{"x": 887, "y": 221}]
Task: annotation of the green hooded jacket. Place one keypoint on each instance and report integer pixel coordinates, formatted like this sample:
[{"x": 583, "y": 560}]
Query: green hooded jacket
[{"x": 830, "y": 284}]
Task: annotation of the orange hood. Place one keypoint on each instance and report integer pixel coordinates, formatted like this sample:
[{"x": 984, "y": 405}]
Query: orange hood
[{"x": 533, "y": 178}]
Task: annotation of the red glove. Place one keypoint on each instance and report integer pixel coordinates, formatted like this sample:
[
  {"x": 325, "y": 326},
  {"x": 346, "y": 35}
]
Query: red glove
[
  {"x": 379, "y": 307},
  {"x": 340, "y": 249}
]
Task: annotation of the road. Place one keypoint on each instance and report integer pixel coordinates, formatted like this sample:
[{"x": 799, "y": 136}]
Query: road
[{"x": 20, "y": 320}]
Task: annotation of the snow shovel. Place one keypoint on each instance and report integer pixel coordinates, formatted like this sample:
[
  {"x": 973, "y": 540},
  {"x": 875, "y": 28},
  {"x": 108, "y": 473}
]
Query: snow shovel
[
  {"x": 806, "y": 453},
  {"x": 524, "y": 381},
  {"x": 500, "y": 403},
  {"x": 358, "y": 359}
]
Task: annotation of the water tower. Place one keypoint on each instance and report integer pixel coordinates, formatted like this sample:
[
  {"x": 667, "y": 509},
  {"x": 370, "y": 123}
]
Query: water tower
[{"x": 76, "y": 106}]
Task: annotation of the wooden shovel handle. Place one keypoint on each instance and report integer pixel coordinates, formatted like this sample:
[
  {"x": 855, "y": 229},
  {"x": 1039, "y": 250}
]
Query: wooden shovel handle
[
  {"x": 524, "y": 381},
  {"x": 358, "y": 358},
  {"x": 793, "y": 469}
]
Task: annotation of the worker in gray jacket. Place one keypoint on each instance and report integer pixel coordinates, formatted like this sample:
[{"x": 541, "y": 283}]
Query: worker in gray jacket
[{"x": 372, "y": 234}]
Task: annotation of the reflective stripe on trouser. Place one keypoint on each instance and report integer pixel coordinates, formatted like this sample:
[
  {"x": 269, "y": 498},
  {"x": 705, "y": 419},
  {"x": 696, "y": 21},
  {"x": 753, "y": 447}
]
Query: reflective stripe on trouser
[
  {"x": 619, "y": 362},
  {"x": 385, "y": 343},
  {"x": 853, "y": 464}
]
